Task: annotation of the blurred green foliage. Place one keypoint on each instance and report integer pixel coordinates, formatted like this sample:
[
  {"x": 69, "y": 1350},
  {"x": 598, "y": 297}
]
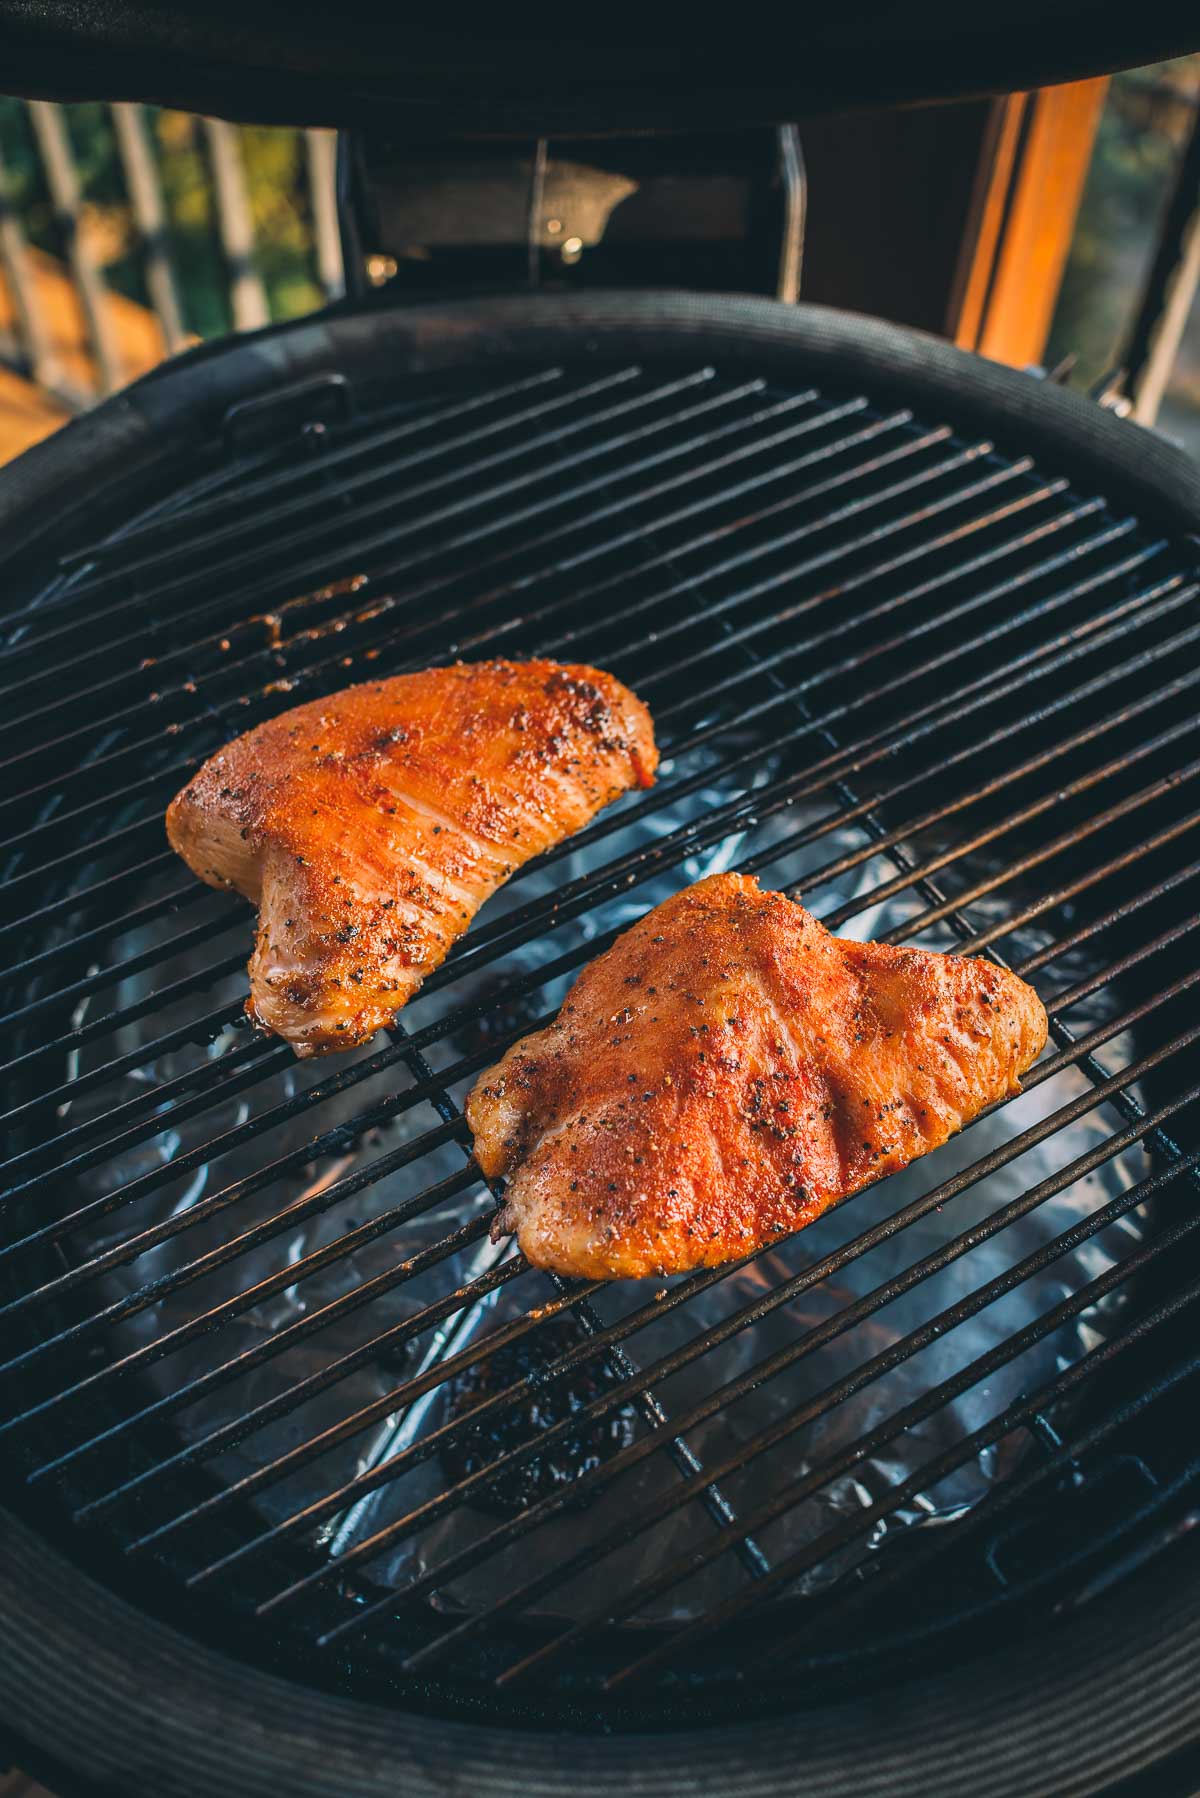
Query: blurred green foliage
[{"x": 276, "y": 180}]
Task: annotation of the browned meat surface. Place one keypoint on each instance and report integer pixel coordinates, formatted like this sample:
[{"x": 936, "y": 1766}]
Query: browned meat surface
[
  {"x": 371, "y": 826},
  {"x": 726, "y": 1072}
]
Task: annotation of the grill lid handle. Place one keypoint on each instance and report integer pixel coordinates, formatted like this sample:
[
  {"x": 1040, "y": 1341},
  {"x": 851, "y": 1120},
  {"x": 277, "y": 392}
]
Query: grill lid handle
[{"x": 362, "y": 63}]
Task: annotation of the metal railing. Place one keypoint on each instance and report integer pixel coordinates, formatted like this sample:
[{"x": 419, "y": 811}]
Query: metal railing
[
  {"x": 1171, "y": 284},
  {"x": 28, "y": 349},
  {"x": 1157, "y": 322}
]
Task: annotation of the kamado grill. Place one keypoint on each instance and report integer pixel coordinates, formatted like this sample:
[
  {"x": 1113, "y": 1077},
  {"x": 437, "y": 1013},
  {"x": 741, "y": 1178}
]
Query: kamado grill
[{"x": 310, "y": 1487}]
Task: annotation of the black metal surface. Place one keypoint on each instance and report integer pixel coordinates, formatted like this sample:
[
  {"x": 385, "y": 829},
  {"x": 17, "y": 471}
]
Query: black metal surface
[
  {"x": 710, "y": 212},
  {"x": 900, "y": 652},
  {"x": 302, "y": 64}
]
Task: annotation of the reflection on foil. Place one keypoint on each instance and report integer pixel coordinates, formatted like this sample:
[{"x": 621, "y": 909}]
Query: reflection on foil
[{"x": 277, "y": 1180}]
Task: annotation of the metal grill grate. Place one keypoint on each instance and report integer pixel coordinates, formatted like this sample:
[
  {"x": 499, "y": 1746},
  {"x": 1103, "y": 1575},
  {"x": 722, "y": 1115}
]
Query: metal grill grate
[{"x": 255, "y": 1342}]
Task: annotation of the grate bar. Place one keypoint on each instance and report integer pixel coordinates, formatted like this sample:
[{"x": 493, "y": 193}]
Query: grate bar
[
  {"x": 187, "y": 1394},
  {"x": 175, "y": 900},
  {"x": 279, "y": 515},
  {"x": 479, "y": 640},
  {"x": 236, "y": 1076},
  {"x": 487, "y": 934},
  {"x": 203, "y": 1029},
  {"x": 1124, "y": 1103},
  {"x": 1060, "y": 1455},
  {"x": 115, "y": 972},
  {"x": 1068, "y": 646},
  {"x": 328, "y": 1142},
  {"x": 270, "y": 1410},
  {"x": 483, "y": 937},
  {"x": 653, "y": 527},
  {"x": 457, "y": 1330},
  {"x": 868, "y": 700},
  {"x": 825, "y": 1269},
  {"x": 408, "y": 1269},
  {"x": 139, "y": 1244},
  {"x": 1036, "y": 808},
  {"x": 1117, "y": 914},
  {"x": 175, "y": 772},
  {"x": 170, "y": 777},
  {"x": 246, "y": 494},
  {"x": 323, "y": 1194},
  {"x": 89, "y": 851},
  {"x": 647, "y": 1403},
  {"x": 412, "y": 1389},
  {"x": 221, "y": 1078},
  {"x": 888, "y": 839},
  {"x": 303, "y": 506},
  {"x": 639, "y": 867},
  {"x": 111, "y": 883},
  {"x": 1111, "y": 535},
  {"x": 250, "y": 1358},
  {"x": 821, "y": 1404},
  {"x": 1066, "y": 840},
  {"x": 304, "y": 1521},
  {"x": 762, "y": 803},
  {"x": 332, "y": 1141},
  {"x": 272, "y": 655},
  {"x": 336, "y": 661},
  {"x": 1084, "y": 989},
  {"x": 1171, "y": 833},
  {"x": 505, "y": 1534},
  {"x": 316, "y": 570},
  {"x": 897, "y": 735},
  {"x": 137, "y": 1008},
  {"x": 758, "y": 803},
  {"x": 170, "y": 593},
  {"x": 1021, "y": 1411},
  {"x": 987, "y": 483},
  {"x": 146, "y": 868}
]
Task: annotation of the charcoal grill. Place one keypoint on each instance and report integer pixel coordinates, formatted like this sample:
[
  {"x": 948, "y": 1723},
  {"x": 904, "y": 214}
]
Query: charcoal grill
[{"x": 308, "y": 1486}]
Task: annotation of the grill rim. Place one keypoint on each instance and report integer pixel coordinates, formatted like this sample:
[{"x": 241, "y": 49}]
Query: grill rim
[
  {"x": 119, "y": 1693},
  {"x": 155, "y": 422},
  {"x": 484, "y": 333}
]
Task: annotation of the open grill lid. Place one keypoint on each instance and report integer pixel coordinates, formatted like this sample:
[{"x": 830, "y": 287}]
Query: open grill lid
[{"x": 361, "y": 64}]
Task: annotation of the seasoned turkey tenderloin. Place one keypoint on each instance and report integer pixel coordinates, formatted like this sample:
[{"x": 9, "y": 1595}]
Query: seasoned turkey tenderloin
[
  {"x": 370, "y": 827},
  {"x": 726, "y": 1072}
]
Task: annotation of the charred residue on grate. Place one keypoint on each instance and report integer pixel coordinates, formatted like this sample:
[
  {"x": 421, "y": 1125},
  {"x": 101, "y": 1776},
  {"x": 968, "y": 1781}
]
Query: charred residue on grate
[{"x": 549, "y": 1403}]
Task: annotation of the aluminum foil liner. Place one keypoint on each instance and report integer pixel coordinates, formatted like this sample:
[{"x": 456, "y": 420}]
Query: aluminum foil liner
[{"x": 767, "y": 1404}]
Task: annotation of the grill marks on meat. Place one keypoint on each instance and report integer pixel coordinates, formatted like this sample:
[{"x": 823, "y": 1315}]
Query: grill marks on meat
[
  {"x": 726, "y": 1072},
  {"x": 370, "y": 827}
]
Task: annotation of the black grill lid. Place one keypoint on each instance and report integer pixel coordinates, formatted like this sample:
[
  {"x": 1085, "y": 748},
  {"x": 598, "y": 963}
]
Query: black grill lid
[{"x": 359, "y": 63}]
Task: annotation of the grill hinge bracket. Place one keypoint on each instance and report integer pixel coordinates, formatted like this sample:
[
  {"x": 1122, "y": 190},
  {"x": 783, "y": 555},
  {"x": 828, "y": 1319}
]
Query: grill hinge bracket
[
  {"x": 302, "y": 406},
  {"x": 709, "y": 211},
  {"x": 1084, "y": 1505}
]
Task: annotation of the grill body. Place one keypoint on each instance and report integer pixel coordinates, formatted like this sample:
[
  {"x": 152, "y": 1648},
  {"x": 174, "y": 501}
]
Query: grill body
[{"x": 897, "y": 613}]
